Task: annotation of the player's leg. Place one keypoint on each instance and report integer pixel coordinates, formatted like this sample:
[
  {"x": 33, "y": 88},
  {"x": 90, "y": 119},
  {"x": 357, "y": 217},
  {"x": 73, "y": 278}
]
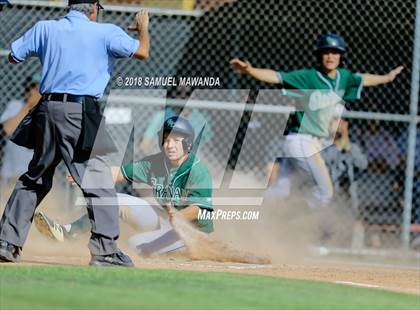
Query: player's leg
[
  {"x": 281, "y": 188},
  {"x": 135, "y": 211},
  {"x": 60, "y": 232},
  {"x": 323, "y": 190},
  {"x": 156, "y": 237},
  {"x": 138, "y": 213},
  {"x": 305, "y": 154}
]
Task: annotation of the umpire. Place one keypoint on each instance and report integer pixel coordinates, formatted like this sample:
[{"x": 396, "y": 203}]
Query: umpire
[{"x": 77, "y": 55}]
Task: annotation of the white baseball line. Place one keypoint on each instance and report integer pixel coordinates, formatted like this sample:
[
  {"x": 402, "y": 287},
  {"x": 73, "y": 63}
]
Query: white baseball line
[{"x": 358, "y": 284}]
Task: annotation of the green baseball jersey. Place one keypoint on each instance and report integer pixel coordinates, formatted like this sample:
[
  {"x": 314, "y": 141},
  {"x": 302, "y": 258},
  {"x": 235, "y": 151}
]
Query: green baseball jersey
[
  {"x": 318, "y": 95},
  {"x": 189, "y": 184}
]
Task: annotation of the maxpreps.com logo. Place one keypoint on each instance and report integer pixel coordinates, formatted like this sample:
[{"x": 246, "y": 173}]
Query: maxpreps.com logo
[{"x": 227, "y": 215}]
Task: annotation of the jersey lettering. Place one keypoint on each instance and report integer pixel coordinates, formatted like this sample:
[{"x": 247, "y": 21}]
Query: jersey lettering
[{"x": 319, "y": 100}]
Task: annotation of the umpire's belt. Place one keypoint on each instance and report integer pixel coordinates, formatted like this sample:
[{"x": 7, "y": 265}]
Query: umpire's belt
[{"x": 67, "y": 98}]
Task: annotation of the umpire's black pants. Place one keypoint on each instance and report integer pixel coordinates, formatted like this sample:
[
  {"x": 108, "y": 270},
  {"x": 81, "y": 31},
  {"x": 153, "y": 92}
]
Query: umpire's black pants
[{"x": 57, "y": 127}]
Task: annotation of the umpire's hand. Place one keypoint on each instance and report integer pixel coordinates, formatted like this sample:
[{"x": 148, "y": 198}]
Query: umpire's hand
[{"x": 141, "y": 21}]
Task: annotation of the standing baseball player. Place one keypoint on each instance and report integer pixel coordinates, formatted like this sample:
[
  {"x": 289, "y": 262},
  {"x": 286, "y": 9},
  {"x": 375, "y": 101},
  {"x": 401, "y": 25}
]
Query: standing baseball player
[
  {"x": 177, "y": 177},
  {"x": 77, "y": 56},
  {"x": 318, "y": 89}
]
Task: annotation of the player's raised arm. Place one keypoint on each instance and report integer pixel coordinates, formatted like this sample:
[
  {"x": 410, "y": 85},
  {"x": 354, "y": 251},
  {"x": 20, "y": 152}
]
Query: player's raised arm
[
  {"x": 377, "y": 79},
  {"x": 263, "y": 75}
]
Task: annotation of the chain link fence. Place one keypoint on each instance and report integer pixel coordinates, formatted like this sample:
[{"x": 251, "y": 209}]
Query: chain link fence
[{"x": 200, "y": 41}]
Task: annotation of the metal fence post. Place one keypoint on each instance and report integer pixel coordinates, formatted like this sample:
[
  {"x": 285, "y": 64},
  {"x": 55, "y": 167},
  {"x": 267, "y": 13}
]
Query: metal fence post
[{"x": 411, "y": 147}]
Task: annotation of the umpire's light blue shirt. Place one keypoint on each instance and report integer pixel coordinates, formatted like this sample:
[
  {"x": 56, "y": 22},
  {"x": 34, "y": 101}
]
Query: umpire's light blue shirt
[{"x": 77, "y": 55}]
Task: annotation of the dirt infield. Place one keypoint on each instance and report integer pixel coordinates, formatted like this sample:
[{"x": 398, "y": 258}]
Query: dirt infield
[
  {"x": 392, "y": 277},
  {"x": 288, "y": 258},
  {"x": 387, "y": 277}
]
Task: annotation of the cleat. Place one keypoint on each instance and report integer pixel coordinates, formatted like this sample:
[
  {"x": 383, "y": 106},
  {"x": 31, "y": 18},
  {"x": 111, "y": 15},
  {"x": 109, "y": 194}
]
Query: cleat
[
  {"x": 49, "y": 228},
  {"x": 118, "y": 259},
  {"x": 9, "y": 253}
]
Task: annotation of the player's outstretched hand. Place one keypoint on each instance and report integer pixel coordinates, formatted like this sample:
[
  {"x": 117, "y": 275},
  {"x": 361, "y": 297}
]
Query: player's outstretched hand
[
  {"x": 240, "y": 66},
  {"x": 393, "y": 73}
]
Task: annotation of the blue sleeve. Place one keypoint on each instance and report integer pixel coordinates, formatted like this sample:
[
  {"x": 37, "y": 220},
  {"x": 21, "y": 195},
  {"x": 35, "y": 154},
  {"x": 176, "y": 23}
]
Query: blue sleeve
[
  {"x": 120, "y": 44},
  {"x": 29, "y": 44}
]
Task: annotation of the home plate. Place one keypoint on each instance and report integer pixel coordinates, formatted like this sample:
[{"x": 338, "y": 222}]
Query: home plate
[{"x": 357, "y": 284}]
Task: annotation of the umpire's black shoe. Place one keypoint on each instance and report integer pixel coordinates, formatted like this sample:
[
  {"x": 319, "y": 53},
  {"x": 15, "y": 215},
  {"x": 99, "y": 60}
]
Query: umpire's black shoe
[
  {"x": 9, "y": 252},
  {"x": 114, "y": 259}
]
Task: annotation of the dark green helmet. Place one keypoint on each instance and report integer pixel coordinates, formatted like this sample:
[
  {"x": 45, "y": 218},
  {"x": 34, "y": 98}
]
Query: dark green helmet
[
  {"x": 179, "y": 125},
  {"x": 331, "y": 41}
]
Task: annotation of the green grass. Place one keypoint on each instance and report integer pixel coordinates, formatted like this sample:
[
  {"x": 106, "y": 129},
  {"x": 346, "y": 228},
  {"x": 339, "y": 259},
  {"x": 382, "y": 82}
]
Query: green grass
[{"x": 55, "y": 287}]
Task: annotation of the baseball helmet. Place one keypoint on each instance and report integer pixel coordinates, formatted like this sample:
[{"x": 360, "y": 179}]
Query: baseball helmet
[
  {"x": 331, "y": 41},
  {"x": 179, "y": 125},
  {"x": 3, "y": 2}
]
